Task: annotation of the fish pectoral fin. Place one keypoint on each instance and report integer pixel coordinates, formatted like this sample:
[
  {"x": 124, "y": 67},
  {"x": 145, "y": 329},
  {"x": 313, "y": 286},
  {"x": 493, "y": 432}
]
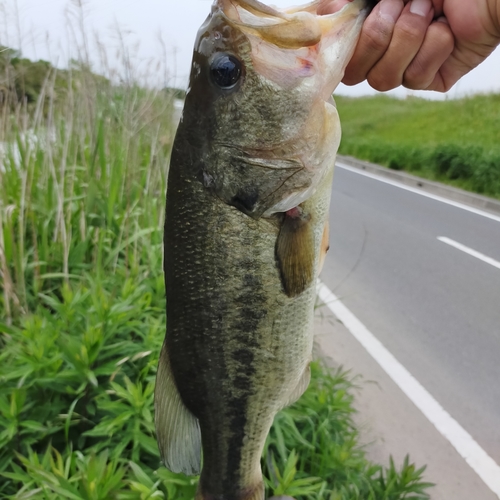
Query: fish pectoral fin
[
  {"x": 177, "y": 429},
  {"x": 295, "y": 253},
  {"x": 300, "y": 389}
]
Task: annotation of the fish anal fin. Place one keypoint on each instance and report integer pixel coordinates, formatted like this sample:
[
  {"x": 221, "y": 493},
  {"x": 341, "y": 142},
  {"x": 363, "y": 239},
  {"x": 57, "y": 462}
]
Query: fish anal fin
[
  {"x": 177, "y": 429},
  {"x": 300, "y": 389},
  {"x": 295, "y": 252}
]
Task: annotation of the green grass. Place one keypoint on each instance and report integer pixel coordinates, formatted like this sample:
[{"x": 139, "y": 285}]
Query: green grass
[
  {"x": 82, "y": 184},
  {"x": 452, "y": 141}
]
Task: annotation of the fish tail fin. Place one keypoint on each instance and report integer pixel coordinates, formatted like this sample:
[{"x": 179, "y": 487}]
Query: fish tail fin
[
  {"x": 177, "y": 429},
  {"x": 256, "y": 493}
]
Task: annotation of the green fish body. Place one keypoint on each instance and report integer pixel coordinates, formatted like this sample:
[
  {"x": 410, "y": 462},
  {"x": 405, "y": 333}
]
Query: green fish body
[{"x": 245, "y": 234}]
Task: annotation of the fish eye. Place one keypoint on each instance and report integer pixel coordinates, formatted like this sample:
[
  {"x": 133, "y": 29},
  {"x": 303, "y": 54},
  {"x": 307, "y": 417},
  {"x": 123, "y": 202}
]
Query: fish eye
[{"x": 225, "y": 71}]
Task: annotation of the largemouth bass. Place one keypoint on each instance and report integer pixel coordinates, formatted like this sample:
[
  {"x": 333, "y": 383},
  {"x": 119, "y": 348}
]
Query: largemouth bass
[{"x": 245, "y": 234}]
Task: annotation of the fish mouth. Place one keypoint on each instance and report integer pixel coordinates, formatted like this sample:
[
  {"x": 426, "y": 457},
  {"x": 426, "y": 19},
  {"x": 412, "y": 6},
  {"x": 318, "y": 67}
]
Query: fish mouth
[
  {"x": 290, "y": 45},
  {"x": 292, "y": 28}
]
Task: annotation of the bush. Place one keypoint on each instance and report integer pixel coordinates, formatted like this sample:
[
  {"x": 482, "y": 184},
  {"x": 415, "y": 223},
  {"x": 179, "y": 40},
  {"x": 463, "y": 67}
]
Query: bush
[
  {"x": 456, "y": 162},
  {"x": 393, "y": 155},
  {"x": 486, "y": 177},
  {"x": 442, "y": 157}
]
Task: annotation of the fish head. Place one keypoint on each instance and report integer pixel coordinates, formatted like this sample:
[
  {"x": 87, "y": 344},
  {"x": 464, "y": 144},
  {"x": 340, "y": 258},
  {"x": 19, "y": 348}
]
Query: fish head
[{"x": 258, "y": 116}]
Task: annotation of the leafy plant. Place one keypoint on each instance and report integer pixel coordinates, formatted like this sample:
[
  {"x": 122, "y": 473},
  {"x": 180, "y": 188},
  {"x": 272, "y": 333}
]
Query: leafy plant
[{"x": 313, "y": 450}]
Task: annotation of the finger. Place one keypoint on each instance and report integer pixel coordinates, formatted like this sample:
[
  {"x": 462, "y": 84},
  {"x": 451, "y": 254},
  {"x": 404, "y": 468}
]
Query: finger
[
  {"x": 374, "y": 40},
  {"x": 450, "y": 72},
  {"x": 437, "y": 47},
  {"x": 465, "y": 57},
  {"x": 409, "y": 34}
]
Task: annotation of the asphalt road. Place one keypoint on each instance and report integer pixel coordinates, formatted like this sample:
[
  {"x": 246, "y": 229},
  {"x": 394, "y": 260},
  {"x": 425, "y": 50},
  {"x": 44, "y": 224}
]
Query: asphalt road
[{"x": 433, "y": 306}]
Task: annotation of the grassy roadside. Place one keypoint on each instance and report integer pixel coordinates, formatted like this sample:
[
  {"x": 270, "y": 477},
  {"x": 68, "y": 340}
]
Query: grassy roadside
[
  {"x": 82, "y": 316},
  {"x": 455, "y": 141}
]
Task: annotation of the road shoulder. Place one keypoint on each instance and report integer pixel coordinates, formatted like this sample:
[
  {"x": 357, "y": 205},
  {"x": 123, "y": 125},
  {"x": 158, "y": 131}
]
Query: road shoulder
[
  {"x": 389, "y": 422},
  {"x": 473, "y": 200}
]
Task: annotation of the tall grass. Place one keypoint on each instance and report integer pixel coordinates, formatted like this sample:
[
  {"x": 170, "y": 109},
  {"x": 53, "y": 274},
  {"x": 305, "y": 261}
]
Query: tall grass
[
  {"x": 82, "y": 185},
  {"x": 82, "y": 182}
]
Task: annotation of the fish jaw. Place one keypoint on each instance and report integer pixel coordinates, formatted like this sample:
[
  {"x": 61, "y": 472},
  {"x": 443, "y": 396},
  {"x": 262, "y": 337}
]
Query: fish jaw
[{"x": 293, "y": 46}]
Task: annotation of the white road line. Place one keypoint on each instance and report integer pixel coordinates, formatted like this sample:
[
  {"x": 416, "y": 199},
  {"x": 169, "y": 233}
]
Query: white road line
[
  {"x": 419, "y": 191},
  {"x": 470, "y": 251},
  {"x": 486, "y": 468}
]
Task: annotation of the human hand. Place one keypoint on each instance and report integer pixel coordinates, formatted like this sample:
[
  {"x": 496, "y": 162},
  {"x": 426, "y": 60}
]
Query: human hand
[{"x": 423, "y": 44}]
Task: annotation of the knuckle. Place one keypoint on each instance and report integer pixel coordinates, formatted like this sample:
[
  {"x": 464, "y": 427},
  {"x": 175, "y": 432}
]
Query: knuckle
[
  {"x": 382, "y": 82},
  {"x": 377, "y": 40},
  {"x": 353, "y": 73},
  {"x": 415, "y": 84},
  {"x": 444, "y": 37},
  {"x": 410, "y": 31},
  {"x": 447, "y": 85},
  {"x": 349, "y": 80},
  {"x": 422, "y": 71},
  {"x": 376, "y": 35},
  {"x": 416, "y": 76}
]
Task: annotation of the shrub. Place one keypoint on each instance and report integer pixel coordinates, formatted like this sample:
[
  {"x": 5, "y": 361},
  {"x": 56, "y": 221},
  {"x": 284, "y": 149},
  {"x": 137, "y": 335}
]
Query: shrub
[
  {"x": 486, "y": 177},
  {"x": 456, "y": 162},
  {"x": 442, "y": 157}
]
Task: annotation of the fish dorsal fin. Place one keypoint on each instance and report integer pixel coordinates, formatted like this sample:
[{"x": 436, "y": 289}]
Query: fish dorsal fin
[
  {"x": 295, "y": 252},
  {"x": 177, "y": 429},
  {"x": 300, "y": 389}
]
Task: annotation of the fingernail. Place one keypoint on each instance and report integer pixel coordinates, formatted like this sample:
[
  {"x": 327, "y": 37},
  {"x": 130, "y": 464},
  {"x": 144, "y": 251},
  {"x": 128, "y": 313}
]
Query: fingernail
[
  {"x": 420, "y": 7},
  {"x": 390, "y": 10},
  {"x": 442, "y": 19}
]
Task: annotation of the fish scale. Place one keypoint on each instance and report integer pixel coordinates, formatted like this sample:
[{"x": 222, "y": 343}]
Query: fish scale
[
  {"x": 245, "y": 361},
  {"x": 245, "y": 233}
]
